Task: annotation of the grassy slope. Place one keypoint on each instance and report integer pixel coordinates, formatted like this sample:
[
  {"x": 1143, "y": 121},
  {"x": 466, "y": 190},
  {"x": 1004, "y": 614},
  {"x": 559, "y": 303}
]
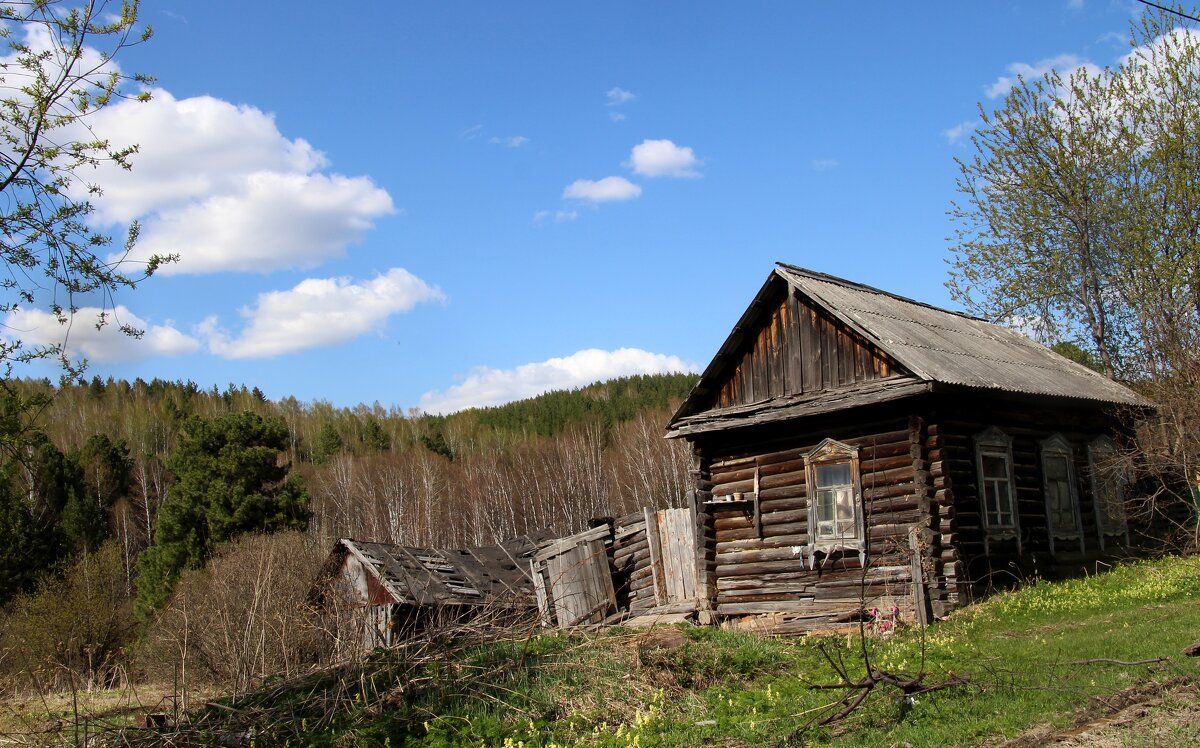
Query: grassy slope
[{"x": 1024, "y": 654}]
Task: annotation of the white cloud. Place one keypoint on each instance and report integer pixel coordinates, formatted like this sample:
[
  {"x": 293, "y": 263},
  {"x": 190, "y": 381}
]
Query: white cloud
[
  {"x": 511, "y": 141},
  {"x": 35, "y": 327},
  {"x": 318, "y": 312},
  {"x": 1064, "y": 64},
  {"x": 960, "y": 132},
  {"x": 609, "y": 189},
  {"x": 825, "y": 164},
  {"x": 486, "y": 386},
  {"x": 1075, "y": 4},
  {"x": 222, "y": 187},
  {"x": 662, "y": 158},
  {"x": 616, "y": 116},
  {"x": 618, "y": 96}
]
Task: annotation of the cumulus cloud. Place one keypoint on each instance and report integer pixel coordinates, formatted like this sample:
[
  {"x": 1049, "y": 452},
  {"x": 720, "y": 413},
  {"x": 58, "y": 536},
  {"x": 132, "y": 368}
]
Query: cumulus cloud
[
  {"x": 609, "y": 189},
  {"x": 219, "y": 185},
  {"x": 1064, "y": 64},
  {"x": 318, "y": 312},
  {"x": 486, "y": 386},
  {"x": 617, "y": 96},
  {"x": 107, "y": 344},
  {"x": 662, "y": 158},
  {"x": 616, "y": 116}
]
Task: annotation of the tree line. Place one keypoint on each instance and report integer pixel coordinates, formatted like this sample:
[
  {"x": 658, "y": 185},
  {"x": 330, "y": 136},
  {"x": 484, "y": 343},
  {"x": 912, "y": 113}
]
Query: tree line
[{"x": 127, "y": 494}]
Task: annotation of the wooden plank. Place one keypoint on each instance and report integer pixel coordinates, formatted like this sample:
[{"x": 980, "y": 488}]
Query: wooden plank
[
  {"x": 678, "y": 539},
  {"x": 656, "y": 564},
  {"x": 539, "y": 588},
  {"x": 563, "y": 545}
]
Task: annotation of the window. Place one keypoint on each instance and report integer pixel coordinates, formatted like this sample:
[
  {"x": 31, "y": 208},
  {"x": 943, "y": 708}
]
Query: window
[
  {"x": 1062, "y": 497},
  {"x": 835, "y": 518},
  {"x": 1108, "y": 489},
  {"x": 993, "y": 455}
]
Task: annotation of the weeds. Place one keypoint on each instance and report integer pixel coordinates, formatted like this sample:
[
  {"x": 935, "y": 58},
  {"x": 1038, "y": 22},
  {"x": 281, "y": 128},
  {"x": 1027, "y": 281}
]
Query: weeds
[{"x": 1050, "y": 655}]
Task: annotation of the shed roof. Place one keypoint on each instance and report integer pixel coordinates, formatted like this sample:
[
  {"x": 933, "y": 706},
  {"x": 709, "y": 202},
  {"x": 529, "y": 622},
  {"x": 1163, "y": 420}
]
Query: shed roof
[
  {"x": 490, "y": 575},
  {"x": 936, "y": 345}
]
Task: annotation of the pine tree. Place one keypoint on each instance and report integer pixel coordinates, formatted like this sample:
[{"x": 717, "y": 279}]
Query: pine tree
[{"x": 230, "y": 481}]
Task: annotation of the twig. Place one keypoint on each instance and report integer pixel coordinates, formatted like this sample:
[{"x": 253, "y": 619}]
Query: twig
[{"x": 1107, "y": 661}]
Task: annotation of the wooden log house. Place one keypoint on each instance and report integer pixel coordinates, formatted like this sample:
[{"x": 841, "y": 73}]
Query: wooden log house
[{"x": 857, "y": 450}]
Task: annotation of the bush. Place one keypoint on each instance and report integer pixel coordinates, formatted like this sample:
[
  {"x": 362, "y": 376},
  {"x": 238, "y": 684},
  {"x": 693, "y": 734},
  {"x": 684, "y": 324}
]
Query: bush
[
  {"x": 244, "y": 617},
  {"x": 72, "y": 632}
]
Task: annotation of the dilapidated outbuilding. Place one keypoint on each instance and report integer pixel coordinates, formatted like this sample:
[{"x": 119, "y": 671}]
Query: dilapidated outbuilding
[
  {"x": 383, "y": 592},
  {"x": 857, "y": 450}
]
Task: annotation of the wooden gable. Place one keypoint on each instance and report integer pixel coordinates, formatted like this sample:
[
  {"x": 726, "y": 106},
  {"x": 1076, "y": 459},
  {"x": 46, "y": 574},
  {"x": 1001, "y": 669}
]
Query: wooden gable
[{"x": 794, "y": 348}]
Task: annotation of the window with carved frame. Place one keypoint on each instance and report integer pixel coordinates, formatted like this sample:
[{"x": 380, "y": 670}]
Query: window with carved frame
[
  {"x": 1060, "y": 490},
  {"x": 835, "y": 516},
  {"x": 997, "y": 495},
  {"x": 1108, "y": 484}
]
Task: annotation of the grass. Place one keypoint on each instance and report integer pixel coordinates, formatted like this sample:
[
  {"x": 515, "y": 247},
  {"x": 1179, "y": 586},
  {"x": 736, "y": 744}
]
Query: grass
[{"x": 1038, "y": 659}]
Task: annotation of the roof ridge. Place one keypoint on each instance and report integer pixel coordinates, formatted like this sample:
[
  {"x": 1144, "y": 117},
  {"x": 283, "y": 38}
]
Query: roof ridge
[{"x": 815, "y": 275}]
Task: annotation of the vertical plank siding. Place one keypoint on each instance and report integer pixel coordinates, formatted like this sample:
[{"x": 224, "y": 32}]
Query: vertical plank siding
[{"x": 798, "y": 349}]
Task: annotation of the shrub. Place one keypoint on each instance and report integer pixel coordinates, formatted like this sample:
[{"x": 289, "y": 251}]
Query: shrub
[{"x": 73, "y": 631}]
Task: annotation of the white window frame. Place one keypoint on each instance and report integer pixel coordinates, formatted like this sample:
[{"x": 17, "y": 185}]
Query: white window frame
[
  {"x": 832, "y": 452},
  {"x": 1101, "y": 453},
  {"x": 992, "y": 442},
  {"x": 1058, "y": 448}
]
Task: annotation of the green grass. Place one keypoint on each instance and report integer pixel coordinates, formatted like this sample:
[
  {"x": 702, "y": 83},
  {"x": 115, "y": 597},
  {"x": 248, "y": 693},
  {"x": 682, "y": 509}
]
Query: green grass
[{"x": 1024, "y": 654}]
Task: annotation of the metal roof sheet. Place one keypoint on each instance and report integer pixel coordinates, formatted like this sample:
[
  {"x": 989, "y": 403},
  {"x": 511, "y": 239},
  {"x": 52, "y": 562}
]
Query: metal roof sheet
[
  {"x": 933, "y": 345},
  {"x": 951, "y": 348}
]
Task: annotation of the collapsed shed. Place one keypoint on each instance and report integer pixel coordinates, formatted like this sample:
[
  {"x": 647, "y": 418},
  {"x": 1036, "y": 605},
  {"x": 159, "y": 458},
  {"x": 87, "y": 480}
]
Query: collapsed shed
[{"x": 384, "y": 592}]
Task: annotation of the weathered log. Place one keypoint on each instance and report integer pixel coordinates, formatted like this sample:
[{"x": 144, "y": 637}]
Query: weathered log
[{"x": 780, "y": 541}]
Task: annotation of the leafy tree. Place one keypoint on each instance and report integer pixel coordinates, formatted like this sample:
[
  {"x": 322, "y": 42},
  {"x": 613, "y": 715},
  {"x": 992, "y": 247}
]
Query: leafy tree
[
  {"x": 230, "y": 481},
  {"x": 1073, "y": 352},
  {"x": 58, "y": 71},
  {"x": 106, "y": 467},
  {"x": 1080, "y": 208},
  {"x": 1079, "y": 217}
]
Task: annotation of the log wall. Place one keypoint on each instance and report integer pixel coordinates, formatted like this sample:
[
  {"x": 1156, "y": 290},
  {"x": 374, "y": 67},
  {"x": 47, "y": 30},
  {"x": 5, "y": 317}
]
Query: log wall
[
  {"x": 757, "y": 567},
  {"x": 962, "y": 569}
]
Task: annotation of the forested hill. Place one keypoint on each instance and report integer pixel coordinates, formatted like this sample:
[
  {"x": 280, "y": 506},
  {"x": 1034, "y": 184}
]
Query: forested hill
[
  {"x": 109, "y": 452},
  {"x": 606, "y": 403},
  {"x": 319, "y": 428}
]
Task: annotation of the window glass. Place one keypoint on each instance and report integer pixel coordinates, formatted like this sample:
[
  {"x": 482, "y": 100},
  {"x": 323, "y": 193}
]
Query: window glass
[
  {"x": 835, "y": 503},
  {"x": 997, "y": 489},
  {"x": 1060, "y": 499},
  {"x": 1108, "y": 486}
]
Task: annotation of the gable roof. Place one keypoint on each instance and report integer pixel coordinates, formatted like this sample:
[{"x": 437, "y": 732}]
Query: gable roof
[{"x": 935, "y": 346}]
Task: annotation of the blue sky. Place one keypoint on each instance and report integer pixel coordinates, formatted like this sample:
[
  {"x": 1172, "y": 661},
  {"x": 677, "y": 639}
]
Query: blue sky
[{"x": 438, "y": 205}]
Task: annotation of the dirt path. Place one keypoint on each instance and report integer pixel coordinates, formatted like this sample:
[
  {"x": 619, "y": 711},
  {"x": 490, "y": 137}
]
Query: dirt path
[{"x": 1148, "y": 716}]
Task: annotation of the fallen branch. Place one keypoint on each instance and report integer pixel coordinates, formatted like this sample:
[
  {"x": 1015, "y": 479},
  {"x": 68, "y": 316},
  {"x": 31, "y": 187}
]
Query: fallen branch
[{"x": 1107, "y": 661}]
